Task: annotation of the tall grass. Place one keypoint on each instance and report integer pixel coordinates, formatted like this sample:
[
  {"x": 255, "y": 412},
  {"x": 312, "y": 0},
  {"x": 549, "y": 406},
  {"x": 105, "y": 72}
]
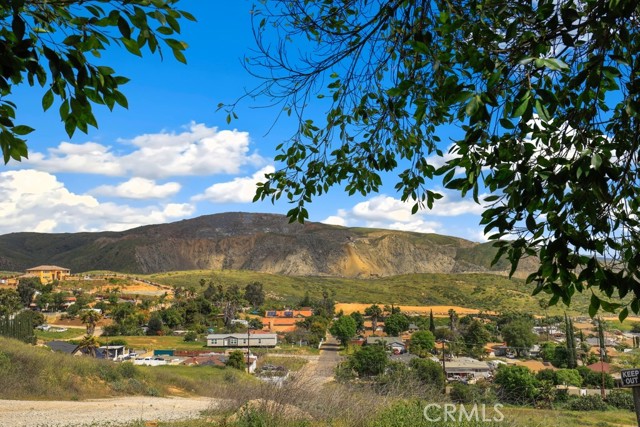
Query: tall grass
[{"x": 29, "y": 372}]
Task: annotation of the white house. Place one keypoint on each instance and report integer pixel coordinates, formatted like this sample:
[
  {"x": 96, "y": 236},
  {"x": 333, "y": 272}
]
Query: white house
[
  {"x": 240, "y": 340},
  {"x": 396, "y": 344},
  {"x": 466, "y": 367}
]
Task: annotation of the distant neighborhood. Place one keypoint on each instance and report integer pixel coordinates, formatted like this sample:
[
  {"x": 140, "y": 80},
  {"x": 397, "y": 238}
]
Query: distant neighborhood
[{"x": 210, "y": 324}]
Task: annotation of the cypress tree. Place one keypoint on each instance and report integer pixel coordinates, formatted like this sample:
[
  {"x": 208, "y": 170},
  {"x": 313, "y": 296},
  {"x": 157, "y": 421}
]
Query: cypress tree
[
  {"x": 603, "y": 349},
  {"x": 432, "y": 324}
]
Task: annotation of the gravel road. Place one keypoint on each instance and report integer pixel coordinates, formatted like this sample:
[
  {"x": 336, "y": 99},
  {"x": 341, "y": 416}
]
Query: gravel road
[{"x": 99, "y": 412}]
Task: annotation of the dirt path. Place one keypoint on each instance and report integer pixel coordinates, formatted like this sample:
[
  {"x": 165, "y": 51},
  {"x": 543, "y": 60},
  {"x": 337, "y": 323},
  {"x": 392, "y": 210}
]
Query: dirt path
[{"x": 110, "y": 412}]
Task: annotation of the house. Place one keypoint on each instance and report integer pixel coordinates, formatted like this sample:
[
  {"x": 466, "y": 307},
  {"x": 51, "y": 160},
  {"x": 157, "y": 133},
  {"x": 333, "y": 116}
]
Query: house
[
  {"x": 600, "y": 367},
  {"x": 48, "y": 273},
  {"x": 496, "y": 349},
  {"x": 64, "y": 347},
  {"x": 303, "y": 312},
  {"x": 240, "y": 340},
  {"x": 394, "y": 343},
  {"x": 218, "y": 360},
  {"x": 465, "y": 368},
  {"x": 112, "y": 352},
  {"x": 280, "y": 324}
]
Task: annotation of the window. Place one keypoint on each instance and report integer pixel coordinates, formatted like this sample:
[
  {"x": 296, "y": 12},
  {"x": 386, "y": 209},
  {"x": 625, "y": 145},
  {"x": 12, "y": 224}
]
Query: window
[
  {"x": 214, "y": 342},
  {"x": 233, "y": 341}
]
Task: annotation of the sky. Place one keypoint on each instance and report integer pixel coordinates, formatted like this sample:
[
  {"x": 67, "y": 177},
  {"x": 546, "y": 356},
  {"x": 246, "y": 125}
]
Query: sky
[{"x": 171, "y": 155}]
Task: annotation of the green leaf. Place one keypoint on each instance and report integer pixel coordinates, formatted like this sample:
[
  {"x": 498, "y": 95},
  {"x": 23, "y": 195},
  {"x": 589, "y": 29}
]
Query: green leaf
[
  {"x": 124, "y": 28},
  {"x": 623, "y": 314},
  {"x": 555, "y": 64},
  {"x": 522, "y": 107},
  {"x": 132, "y": 46},
  {"x": 47, "y": 100},
  {"x": 473, "y": 106},
  {"x": 594, "y": 305},
  {"x": 179, "y": 56},
  {"x": 596, "y": 160},
  {"x": 22, "y": 130}
]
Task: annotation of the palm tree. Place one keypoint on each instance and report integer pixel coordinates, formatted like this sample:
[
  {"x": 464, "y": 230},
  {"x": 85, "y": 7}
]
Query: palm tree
[
  {"x": 90, "y": 318},
  {"x": 89, "y": 344},
  {"x": 375, "y": 312}
]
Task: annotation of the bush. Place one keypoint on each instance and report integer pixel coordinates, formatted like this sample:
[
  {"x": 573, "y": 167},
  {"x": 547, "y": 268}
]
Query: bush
[
  {"x": 127, "y": 370},
  {"x": 190, "y": 336},
  {"x": 587, "y": 403},
  {"x": 621, "y": 399},
  {"x": 236, "y": 360},
  {"x": 517, "y": 384},
  {"x": 428, "y": 372},
  {"x": 473, "y": 393}
]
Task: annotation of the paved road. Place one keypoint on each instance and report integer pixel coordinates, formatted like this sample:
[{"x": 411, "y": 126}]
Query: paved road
[{"x": 321, "y": 370}]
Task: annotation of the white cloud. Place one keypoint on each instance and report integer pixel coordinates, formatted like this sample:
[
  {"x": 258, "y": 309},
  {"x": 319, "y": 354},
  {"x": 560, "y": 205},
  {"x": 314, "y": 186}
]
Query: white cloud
[
  {"x": 200, "y": 150},
  {"x": 390, "y": 213},
  {"x": 138, "y": 188},
  {"x": 36, "y": 201},
  {"x": 240, "y": 190},
  {"x": 335, "y": 220}
]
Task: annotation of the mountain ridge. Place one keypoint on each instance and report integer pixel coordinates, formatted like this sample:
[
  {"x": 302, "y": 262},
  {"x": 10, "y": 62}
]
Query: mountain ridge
[{"x": 252, "y": 241}]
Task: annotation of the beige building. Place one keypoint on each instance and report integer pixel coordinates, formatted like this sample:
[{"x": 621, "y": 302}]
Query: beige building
[{"x": 48, "y": 273}]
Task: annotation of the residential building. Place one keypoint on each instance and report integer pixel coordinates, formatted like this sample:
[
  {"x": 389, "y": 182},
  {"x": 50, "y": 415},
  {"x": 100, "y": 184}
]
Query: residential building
[
  {"x": 394, "y": 343},
  {"x": 466, "y": 367},
  {"x": 48, "y": 273},
  {"x": 240, "y": 340}
]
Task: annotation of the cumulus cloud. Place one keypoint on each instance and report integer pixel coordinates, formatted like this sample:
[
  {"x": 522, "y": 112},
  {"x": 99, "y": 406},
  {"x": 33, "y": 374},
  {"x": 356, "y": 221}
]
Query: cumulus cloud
[
  {"x": 390, "y": 213},
  {"x": 240, "y": 190},
  {"x": 36, "y": 201},
  {"x": 199, "y": 150},
  {"x": 138, "y": 188}
]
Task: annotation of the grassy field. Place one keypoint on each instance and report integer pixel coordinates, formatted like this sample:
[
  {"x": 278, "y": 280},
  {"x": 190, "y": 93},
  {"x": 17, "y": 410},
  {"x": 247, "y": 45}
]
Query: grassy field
[
  {"x": 158, "y": 342},
  {"x": 479, "y": 291},
  {"x": 66, "y": 335}
]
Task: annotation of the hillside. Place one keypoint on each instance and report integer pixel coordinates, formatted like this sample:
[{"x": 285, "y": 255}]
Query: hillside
[{"x": 256, "y": 242}]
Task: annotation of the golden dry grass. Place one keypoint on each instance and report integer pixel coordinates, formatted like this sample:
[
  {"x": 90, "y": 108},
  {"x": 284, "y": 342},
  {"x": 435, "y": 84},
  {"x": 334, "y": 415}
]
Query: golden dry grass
[{"x": 438, "y": 310}]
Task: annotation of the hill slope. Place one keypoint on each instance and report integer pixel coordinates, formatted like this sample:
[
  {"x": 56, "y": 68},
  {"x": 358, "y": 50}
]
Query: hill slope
[{"x": 257, "y": 242}]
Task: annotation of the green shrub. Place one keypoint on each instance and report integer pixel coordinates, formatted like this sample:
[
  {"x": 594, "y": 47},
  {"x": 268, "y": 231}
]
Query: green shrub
[
  {"x": 621, "y": 399},
  {"x": 190, "y": 336},
  {"x": 587, "y": 403},
  {"x": 473, "y": 393},
  {"x": 127, "y": 370}
]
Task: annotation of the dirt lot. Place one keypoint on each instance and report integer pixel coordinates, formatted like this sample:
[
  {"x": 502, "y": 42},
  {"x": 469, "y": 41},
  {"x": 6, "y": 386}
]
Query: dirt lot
[
  {"x": 100, "y": 412},
  {"x": 438, "y": 310}
]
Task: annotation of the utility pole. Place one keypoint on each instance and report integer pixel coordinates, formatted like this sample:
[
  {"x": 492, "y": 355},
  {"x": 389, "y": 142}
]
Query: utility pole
[
  {"x": 444, "y": 368},
  {"x": 248, "y": 350}
]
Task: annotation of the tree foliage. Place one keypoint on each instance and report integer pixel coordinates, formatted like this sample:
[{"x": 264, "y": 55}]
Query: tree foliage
[
  {"x": 344, "y": 328},
  {"x": 422, "y": 342},
  {"x": 519, "y": 335},
  {"x": 254, "y": 293},
  {"x": 396, "y": 323},
  {"x": 370, "y": 360},
  {"x": 57, "y": 45},
  {"x": 544, "y": 97}
]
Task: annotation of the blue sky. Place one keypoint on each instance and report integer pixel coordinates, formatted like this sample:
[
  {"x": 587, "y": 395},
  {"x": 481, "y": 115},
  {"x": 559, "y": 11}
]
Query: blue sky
[{"x": 172, "y": 156}]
